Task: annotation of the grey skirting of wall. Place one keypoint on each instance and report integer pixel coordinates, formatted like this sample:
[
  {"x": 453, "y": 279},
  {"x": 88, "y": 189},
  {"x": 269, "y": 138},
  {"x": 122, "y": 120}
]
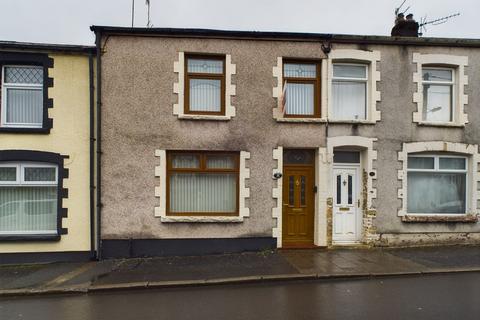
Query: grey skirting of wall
[
  {"x": 40, "y": 257},
  {"x": 134, "y": 248}
]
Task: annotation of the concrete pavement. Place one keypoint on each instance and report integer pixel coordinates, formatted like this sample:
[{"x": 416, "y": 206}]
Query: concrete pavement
[{"x": 234, "y": 268}]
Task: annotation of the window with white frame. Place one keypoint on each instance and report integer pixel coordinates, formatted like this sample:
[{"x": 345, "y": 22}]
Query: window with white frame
[
  {"x": 22, "y": 96},
  {"x": 28, "y": 198},
  {"x": 436, "y": 184},
  {"x": 301, "y": 89},
  {"x": 438, "y": 92},
  {"x": 349, "y": 91}
]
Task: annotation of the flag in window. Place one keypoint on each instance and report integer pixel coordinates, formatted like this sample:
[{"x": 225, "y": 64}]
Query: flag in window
[{"x": 283, "y": 98}]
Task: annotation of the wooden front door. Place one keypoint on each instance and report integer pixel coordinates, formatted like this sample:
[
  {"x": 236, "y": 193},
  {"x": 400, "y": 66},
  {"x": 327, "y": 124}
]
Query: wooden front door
[{"x": 298, "y": 206}]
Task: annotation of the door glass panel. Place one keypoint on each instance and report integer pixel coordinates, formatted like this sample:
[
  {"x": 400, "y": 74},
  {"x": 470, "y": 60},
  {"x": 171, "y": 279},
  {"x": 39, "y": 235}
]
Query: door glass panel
[
  {"x": 302, "y": 191},
  {"x": 291, "y": 189},
  {"x": 339, "y": 189},
  {"x": 295, "y": 156},
  {"x": 346, "y": 157},
  {"x": 350, "y": 187}
]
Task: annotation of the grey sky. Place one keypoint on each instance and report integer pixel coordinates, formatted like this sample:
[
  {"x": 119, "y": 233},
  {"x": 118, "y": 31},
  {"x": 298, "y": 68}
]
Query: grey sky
[{"x": 68, "y": 21}]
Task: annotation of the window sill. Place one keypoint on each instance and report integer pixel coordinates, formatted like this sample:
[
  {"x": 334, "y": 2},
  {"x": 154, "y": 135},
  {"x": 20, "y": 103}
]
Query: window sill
[
  {"x": 24, "y": 130},
  {"x": 202, "y": 219},
  {"x": 300, "y": 120},
  {"x": 351, "y": 121},
  {"x": 467, "y": 218},
  {"x": 441, "y": 124},
  {"x": 29, "y": 238},
  {"x": 203, "y": 117}
]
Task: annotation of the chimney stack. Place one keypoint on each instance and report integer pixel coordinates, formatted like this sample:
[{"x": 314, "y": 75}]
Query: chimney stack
[{"x": 405, "y": 27}]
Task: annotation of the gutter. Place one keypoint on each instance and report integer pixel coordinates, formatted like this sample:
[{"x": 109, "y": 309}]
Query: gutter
[
  {"x": 284, "y": 36},
  {"x": 92, "y": 157},
  {"x": 98, "y": 41}
]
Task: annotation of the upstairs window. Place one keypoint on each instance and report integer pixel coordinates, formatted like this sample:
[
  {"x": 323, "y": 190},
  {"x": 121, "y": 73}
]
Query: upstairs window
[
  {"x": 438, "y": 92},
  {"x": 437, "y": 184},
  {"x": 349, "y": 91},
  {"x": 22, "y": 96},
  {"x": 205, "y": 85},
  {"x": 301, "y": 89},
  {"x": 28, "y": 199}
]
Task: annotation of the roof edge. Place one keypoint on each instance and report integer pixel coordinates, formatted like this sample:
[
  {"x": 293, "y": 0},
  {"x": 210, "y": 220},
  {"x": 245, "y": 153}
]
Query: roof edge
[
  {"x": 285, "y": 36},
  {"x": 46, "y": 47}
]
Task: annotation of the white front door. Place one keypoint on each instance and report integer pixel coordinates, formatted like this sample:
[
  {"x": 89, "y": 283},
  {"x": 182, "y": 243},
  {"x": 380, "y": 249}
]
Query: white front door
[{"x": 346, "y": 219}]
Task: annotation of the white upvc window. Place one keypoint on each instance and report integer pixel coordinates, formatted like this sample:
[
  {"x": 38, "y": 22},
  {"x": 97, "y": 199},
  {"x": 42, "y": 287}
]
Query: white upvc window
[
  {"x": 28, "y": 198},
  {"x": 437, "y": 184},
  {"x": 438, "y": 94},
  {"x": 22, "y": 96},
  {"x": 350, "y": 91}
]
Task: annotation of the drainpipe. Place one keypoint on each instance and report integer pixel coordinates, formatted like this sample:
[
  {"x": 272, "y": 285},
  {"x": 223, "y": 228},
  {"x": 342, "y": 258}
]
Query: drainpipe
[
  {"x": 92, "y": 157},
  {"x": 98, "y": 42}
]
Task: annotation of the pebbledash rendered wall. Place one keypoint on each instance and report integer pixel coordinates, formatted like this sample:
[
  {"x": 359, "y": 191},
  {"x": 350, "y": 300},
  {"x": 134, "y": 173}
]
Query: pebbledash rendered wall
[{"x": 137, "y": 120}]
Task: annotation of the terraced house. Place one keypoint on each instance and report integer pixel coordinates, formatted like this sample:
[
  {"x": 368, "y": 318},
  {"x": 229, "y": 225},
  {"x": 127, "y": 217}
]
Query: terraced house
[
  {"x": 46, "y": 139},
  {"x": 217, "y": 141}
]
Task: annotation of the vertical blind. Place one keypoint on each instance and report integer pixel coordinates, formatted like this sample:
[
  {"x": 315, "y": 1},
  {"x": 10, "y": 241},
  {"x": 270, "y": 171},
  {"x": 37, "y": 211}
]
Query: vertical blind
[
  {"x": 23, "y": 88},
  {"x": 300, "y": 98},
  {"x": 349, "y": 91},
  {"x": 300, "y": 88},
  {"x": 26, "y": 210},
  {"x": 205, "y": 93},
  {"x": 203, "y": 192},
  {"x": 28, "y": 199}
]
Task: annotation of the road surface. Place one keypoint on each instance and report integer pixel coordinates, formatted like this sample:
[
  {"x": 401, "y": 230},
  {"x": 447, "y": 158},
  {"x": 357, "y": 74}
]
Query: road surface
[{"x": 452, "y": 296}]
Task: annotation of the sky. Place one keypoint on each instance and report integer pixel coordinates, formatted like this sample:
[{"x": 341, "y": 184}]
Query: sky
[{"x": 68, "y": 21}]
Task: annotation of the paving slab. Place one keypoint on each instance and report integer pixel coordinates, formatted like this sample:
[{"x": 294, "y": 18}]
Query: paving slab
[
  {"x": 33, "y": 275},
  {"x": 198, "y": 268},
  {"x": 346, "y": 261},
  {"x": 441, "y": 257}
]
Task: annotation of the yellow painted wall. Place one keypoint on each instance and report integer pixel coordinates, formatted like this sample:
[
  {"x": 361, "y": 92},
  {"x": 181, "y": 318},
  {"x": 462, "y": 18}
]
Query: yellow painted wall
[{"x": 69, "y": 136}]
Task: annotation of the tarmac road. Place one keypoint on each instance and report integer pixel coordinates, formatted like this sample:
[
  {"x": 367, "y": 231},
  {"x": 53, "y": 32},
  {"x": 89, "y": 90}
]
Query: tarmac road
[{"x": 446, "y": 296}]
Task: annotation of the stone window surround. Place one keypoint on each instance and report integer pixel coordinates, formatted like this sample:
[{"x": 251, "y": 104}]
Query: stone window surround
[
  {"x": 370, "y": 58},
  {"x": 179, "y": 87},
  {"x": 345, "y": 55},
  {"x": 469, "y": 150},
  {"x": 323, "y": 180},
  {"x": 161, "y": 193},
  {"x": 460, "y": 99}
]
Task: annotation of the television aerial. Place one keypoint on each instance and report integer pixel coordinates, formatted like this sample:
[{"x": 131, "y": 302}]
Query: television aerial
[{"x": 424, "y": 21}]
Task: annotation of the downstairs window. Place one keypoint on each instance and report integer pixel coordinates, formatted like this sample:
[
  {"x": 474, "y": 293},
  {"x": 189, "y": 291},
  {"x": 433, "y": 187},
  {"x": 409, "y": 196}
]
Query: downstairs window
[
  {"x": 437, "y": 184},
  {"x": 28, "y": 199},
  {"x": 202, "y": 183}
]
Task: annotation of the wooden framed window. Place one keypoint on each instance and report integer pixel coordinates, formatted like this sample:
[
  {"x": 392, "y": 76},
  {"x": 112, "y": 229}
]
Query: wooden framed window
[
  {"x": 205, "y": 84},
  {"x": 202, "y": 183},
  {"x": 301, "y": 88}
]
